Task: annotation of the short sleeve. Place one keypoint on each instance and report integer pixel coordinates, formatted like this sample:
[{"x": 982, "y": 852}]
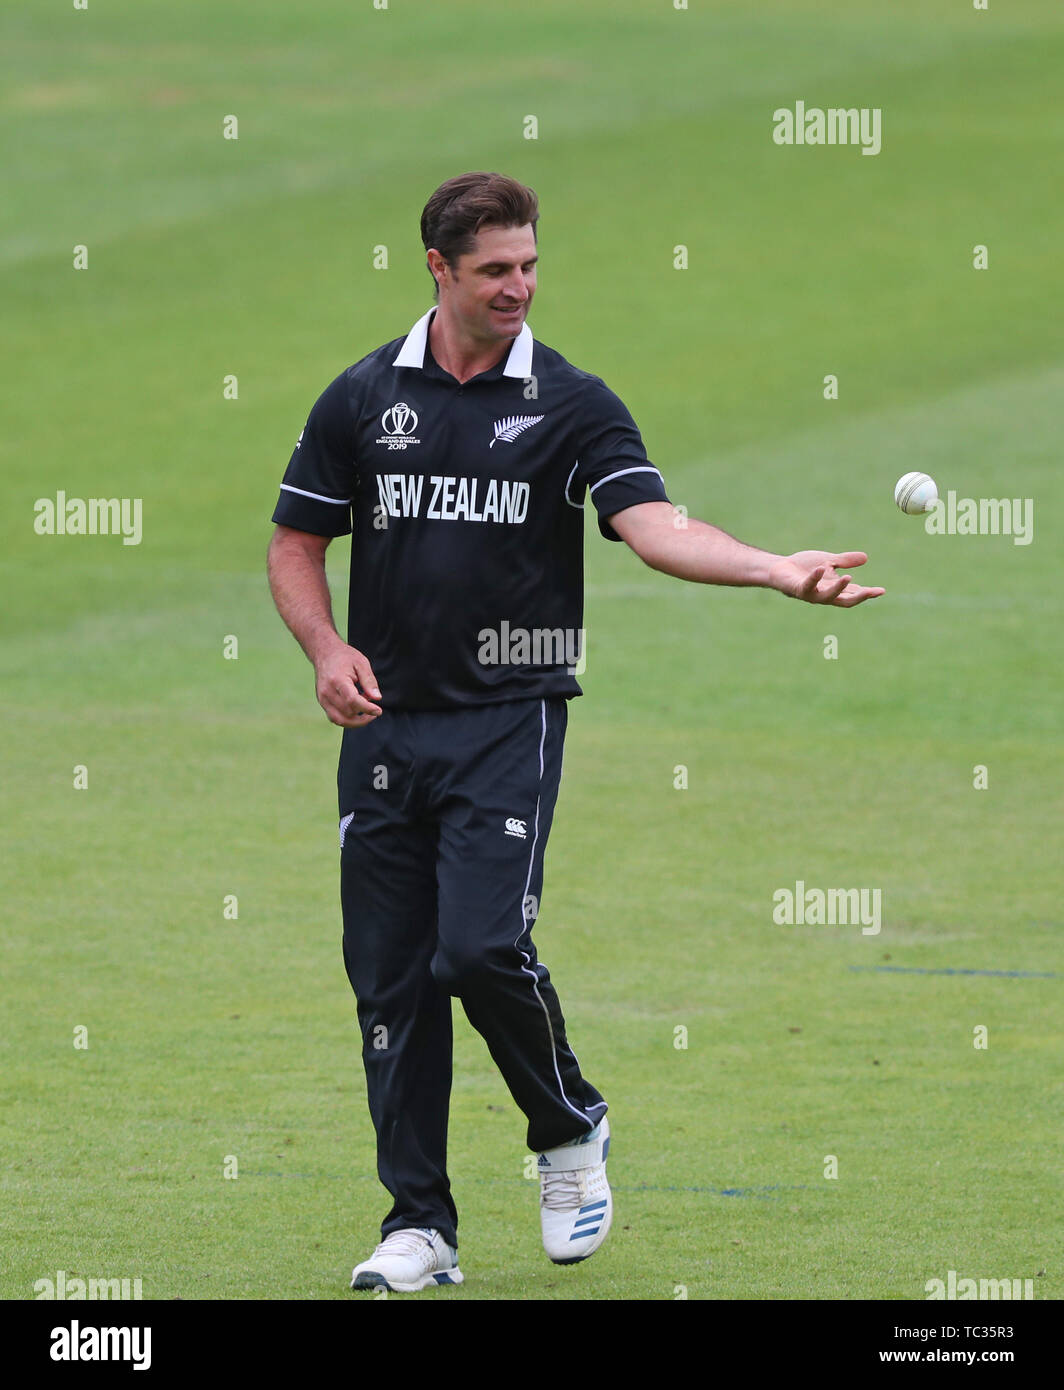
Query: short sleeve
[
  {"x": 319, "y": 482},
  {"x": 612, "y": 462}
]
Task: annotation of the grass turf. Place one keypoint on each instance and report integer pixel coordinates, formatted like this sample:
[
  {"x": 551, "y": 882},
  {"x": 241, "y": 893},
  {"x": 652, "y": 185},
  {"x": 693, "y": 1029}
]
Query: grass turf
[{"x": 211, "y": 1037}]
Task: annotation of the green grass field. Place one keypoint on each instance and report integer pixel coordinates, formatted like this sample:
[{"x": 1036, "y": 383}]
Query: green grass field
[{"x": 211, "y": 1037}]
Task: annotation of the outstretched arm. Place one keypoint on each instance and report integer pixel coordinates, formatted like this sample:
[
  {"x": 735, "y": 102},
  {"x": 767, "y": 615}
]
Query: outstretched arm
[{"x": 694, "y": 550}]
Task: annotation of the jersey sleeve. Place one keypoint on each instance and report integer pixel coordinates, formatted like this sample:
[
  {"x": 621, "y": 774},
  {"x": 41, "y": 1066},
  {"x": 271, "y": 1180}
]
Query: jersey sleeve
[
  {"x": 612, "y": 463},
  {"x": 320, "y": 480}
]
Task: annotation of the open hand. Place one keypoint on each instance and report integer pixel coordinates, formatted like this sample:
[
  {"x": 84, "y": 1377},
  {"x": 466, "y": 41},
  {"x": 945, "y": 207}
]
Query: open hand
[{"x": 812, "y": 575}]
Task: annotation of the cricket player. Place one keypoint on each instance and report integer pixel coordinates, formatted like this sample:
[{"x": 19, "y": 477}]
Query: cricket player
[{"x": 461, "y": 458}]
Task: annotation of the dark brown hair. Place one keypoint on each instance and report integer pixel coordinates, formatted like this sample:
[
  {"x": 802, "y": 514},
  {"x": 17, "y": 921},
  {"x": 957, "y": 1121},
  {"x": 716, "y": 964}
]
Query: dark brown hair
[{"x": 462, "y": 206}]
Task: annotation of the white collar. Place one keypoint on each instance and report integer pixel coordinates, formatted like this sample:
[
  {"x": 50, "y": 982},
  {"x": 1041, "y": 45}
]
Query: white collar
[{"x": 412, "y": 353}]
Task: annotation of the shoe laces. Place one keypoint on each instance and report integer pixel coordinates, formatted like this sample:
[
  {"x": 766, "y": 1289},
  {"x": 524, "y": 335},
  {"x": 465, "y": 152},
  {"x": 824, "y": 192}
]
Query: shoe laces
[
  {"x": 561, "y": 1191},
  {"x": 410, "y": 1242}
]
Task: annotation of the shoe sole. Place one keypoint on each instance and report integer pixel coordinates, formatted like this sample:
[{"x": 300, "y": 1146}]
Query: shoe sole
[
  {"x": 577, "y": 1259},
  {"x": 370, "y": 1279}
]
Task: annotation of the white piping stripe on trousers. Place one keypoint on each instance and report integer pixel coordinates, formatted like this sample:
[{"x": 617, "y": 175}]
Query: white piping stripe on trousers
[{"x": 524, "y": 897}]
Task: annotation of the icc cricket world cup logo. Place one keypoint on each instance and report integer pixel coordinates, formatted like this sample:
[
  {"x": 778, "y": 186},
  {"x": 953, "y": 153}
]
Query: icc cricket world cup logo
[
  {"x": 398, "y": 422},
  {"x": 399, "y": 419}
]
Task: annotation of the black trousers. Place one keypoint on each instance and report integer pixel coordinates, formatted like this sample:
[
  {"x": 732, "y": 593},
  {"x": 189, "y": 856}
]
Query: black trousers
[{"x": 444, "y": 818}]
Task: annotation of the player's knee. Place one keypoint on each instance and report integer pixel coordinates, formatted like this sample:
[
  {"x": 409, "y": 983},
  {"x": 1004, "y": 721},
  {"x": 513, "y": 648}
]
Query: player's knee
[{"x": 460, "y": 970}]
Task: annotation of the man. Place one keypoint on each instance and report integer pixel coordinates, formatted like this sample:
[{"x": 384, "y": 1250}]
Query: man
[{"x": 458, "y": 457}]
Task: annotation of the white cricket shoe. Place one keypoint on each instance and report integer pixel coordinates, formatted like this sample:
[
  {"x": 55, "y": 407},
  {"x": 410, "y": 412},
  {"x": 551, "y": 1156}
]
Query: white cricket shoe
[
  {"x": 575, "y": 1202},
  {"x": 407, "y": 1261}
]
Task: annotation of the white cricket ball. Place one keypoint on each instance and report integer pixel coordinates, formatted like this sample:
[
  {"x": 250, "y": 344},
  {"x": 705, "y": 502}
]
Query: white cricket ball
[{"x": 915, "y": 493}]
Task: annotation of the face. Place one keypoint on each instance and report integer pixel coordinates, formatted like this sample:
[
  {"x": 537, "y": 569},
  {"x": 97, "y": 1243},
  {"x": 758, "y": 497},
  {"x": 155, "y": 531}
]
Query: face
[{"x": 489, "y": 290}]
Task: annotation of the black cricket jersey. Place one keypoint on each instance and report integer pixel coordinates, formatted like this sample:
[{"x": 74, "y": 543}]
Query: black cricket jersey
[{"x": 465, "y": 508}]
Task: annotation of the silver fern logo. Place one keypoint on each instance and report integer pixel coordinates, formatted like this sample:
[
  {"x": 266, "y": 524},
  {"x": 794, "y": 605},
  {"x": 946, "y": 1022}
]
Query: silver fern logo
[{"x": 511, "y": 426}]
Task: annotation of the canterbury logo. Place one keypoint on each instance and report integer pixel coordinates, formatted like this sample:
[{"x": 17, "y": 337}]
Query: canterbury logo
[
  {"x": 516, "y": 827},
  {"x": 509, "y": 428}
]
